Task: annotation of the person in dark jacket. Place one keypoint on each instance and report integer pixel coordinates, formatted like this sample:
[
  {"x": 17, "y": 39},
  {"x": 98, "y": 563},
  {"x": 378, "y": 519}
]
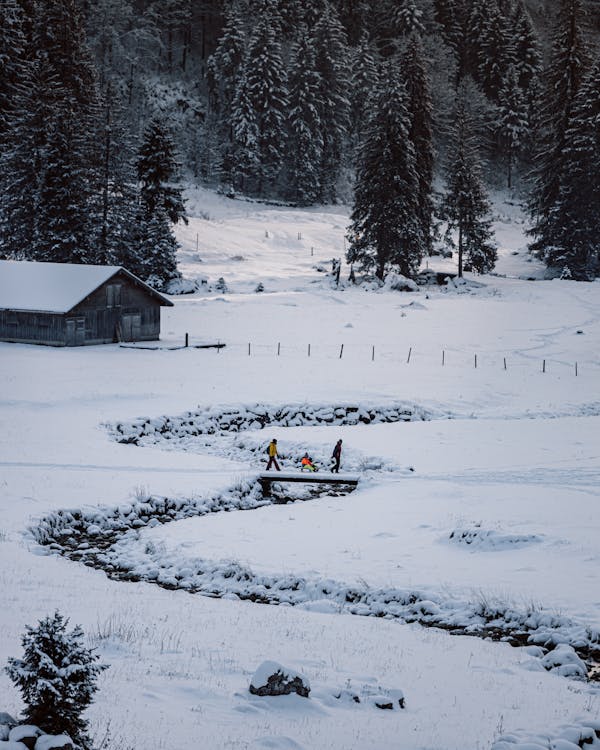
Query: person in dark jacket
[
  {"x": 336, "y": 457},
  {"x": 272, "y": 450}
]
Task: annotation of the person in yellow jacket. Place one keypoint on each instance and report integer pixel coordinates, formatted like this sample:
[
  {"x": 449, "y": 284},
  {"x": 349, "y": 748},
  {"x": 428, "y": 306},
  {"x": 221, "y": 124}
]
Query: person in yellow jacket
[{"x": 272, "y": 451}]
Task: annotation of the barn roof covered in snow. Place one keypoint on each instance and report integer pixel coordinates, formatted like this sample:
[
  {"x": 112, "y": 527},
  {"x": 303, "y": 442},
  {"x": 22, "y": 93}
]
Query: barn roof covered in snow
[{"x": 55, "y": 287}]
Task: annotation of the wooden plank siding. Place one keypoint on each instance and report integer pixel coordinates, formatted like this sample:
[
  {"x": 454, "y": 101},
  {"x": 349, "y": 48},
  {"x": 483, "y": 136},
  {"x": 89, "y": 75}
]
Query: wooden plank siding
[
  {"x": 118, "y": 308},
  {"x": 32, "y": 327}
]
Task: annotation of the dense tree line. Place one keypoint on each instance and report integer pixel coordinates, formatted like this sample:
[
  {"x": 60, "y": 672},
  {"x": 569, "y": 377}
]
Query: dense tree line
[
  {"x": 72, "y": 188},
  {"x": 297, "y": 100}
]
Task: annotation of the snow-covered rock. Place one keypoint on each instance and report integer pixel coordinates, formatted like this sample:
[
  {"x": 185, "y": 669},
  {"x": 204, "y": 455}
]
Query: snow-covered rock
[
  {"x": 6, "y": 724},
  {"x": 272, "y": 678},
  {"x": 26, "y": 734},
  {"x": 564, "y": 660},
  {"x": 54, "y": 742},
  {"x": 396, "y": 282}
]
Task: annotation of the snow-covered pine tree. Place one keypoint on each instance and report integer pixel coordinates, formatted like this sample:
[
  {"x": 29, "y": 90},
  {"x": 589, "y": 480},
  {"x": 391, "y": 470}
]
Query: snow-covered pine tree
[
  {"x": 420, "y": 108},
  {"x": 561, "y": 84},
  {"x": 47, "y": 206},
  {"x": 242, "y": 161},
  {"x": 386, "y": 232},
  {"x": 394, "y": 21},
  {"x": 576, "y": 246},
  {"x": 363, "y": 86},
  {"x": 528, "y": 60},
  {"x": 513, "y": 122},
  {"x": 117, "y": 198},
  {"x": 12, "y": 48},
  {"x": 57, "y": 678},
  {"x": 465, "y": 205},
  {"x": 267, "y": 92},
  {"x": 156, "y": 250},
  {"x": 65, "y": 218},
  {"x": 471, "y": 52},
  {"x": 450, "y": 15},
  {"x": 305, "y": 140},
  {"x": 332, "y": 61},
  {"x": 157, "y": 171},
  {"x": 154, "y": 247},
  {"x": 225, "y": 64},
  {"x": 497, "y": 53}
]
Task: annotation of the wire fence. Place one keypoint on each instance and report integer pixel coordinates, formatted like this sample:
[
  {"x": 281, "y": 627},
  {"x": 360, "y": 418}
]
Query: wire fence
[{"x": 449, "y": 357}]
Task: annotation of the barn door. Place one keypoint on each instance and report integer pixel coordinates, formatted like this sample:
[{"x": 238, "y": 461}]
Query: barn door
[
  {"x": 131, "y": 327},
  {"x": 75, "y": 331}
]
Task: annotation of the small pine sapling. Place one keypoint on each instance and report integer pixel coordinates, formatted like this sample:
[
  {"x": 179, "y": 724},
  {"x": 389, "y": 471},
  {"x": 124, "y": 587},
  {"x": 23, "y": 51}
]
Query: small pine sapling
[{"x": 57, "y": 678}]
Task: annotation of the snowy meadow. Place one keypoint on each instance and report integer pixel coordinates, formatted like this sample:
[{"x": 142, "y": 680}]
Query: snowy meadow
[{"x": 462, "y": 571}]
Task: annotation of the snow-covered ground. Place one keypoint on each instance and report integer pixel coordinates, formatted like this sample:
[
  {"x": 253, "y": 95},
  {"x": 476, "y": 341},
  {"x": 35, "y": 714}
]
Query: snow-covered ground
[{"x": 501, "y": 508}]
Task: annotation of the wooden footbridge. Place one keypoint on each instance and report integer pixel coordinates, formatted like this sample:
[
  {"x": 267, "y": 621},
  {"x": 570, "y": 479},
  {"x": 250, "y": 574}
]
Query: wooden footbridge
[{"x": 266, "y": 478}]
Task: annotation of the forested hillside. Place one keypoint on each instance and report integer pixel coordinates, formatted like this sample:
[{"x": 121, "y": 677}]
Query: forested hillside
[{"x": 305, "y": 101}]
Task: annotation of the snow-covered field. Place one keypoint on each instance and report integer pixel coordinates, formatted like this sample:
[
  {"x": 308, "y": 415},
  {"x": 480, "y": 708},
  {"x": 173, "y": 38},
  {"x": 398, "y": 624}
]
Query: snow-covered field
[{"x": 500, "y": 511}]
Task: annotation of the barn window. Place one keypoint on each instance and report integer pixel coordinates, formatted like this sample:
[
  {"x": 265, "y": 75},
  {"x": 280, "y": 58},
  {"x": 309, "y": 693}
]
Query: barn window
[{"x": 113, "y": 295}]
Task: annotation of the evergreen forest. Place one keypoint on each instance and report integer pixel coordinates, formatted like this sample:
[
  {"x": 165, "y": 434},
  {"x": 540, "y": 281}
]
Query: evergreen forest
[{"x": 410, "y": 111}]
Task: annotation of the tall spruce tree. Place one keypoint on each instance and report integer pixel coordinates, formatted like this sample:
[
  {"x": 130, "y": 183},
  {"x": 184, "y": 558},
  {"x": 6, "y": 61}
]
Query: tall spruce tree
[
  {"x": 224, "y": 66},
  {"x": 12, "y": 73},
  {"x": 50, "y": 216},
  {"x": 57, "y": 677},
  {"x": 449, "y": 14},
  {"x": 386, "y": 232},
  {"x": 513, "y": 121},
  {"x": 117, "y": 197},
  {"x": 241, "y": 160},
  {"x": 332, "y": 63},
  {"x": 267, "y": 92},
  {"x": 562, "y": 82},
  {"x": 23, "y": 162},
  {"x": 157, "y": 171},
  {"x": 154, "y": 247},
  {"x": 528, "y": 60},
  {"x": 305, "y": 139},
  {"x": 363, "y": 86},
  {"x": 496, "y": 54},
  {"x": 576, "y": 215},
  {"x": 465, "y": 205},
  {"x": 420, "y": 107}
]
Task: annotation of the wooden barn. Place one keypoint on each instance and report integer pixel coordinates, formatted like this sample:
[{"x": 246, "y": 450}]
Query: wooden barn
[{"x": 64, "y": 304}]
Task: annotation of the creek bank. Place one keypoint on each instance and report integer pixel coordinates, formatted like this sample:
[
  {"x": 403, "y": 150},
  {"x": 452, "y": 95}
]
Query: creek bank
[{"x": 108, "y": 538}]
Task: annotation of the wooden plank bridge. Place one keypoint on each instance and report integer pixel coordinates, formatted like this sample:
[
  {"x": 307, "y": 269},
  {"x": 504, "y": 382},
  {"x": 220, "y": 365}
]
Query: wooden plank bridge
[{"x": 266, "y": 478}]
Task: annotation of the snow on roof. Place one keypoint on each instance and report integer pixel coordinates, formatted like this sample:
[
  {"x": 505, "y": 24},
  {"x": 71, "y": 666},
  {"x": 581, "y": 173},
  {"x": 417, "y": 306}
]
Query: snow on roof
[{"x": 51, "y": 287}]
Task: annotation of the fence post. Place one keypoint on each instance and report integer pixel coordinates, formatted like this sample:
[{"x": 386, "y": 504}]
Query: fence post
[
  {"x": 543, "y": 365},
  {"x": 505, "y": 363},
  {"x": 373, "y": 355},
  {"x": 443, "y": 357},
  {"x": 409, "y": 353},
  {"x": 341, "y": 350},
  {"x": 248, "y": 348},
  {"x": 187, "y": 340},
  {"x": 312, "y": 251},
  {"x": 575, "y": 369},
  {"x": 475, "y": 361},
  {"x": 299, "y": 235},
  {"x": 309, "y": 350},
  {"x": 278, "y": 348}
]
